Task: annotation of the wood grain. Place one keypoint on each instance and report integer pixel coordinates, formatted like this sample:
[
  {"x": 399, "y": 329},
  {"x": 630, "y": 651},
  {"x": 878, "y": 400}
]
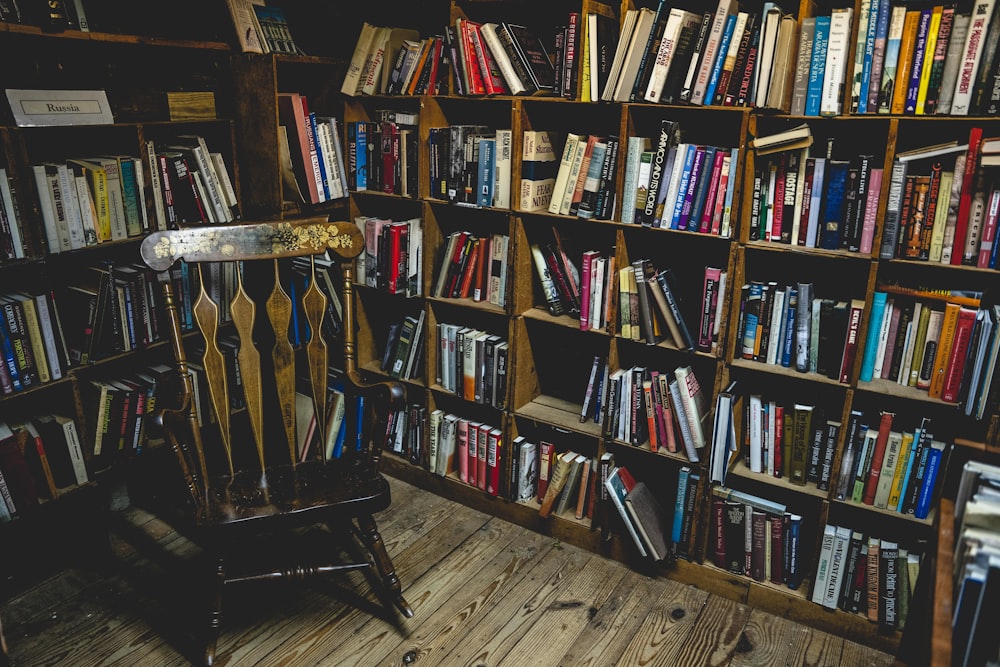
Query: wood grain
[{"x": 485, "y": 591}]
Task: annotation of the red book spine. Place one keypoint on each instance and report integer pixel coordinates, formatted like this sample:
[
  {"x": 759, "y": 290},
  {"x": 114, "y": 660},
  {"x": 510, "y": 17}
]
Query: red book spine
[
  {"x": 965, "y": 199},
  {"x": 871, "y": 483},
  {"x": 484, "y": 443},
  {"x": 779, "y": 441},
  {"x": 493, "y": 462},
  {"x": 851, "y": 342},
  {"x": 959, "y": 354},
  {"x": 777, "y": 205},
  {"x": 989, "y": 230},
  {"x": 713, "y": 189}
]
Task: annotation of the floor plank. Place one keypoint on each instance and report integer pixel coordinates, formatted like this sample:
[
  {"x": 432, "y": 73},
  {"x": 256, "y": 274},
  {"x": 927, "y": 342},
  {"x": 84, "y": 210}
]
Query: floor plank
[{"x": 485, "y": 592}]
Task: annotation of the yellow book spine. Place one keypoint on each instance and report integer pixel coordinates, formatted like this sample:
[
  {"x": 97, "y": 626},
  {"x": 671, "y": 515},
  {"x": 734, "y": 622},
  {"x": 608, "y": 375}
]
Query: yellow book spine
[
  {"x": 897, "y": 477},
  {"x": 925, "y": 69},
  {"x": 910, "y": 24},
  {"x": 944, "y": 349}
]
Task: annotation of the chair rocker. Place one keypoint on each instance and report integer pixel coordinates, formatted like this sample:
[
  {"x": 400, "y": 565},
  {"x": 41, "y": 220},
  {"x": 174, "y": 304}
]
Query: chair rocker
[{"x": 245, "y": 485}]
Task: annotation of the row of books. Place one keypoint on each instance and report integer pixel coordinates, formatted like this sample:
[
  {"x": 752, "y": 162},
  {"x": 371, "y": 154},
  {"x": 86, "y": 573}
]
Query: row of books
[
  {"x": 890, "y": 467},
  {"x": 33, "y": 349},
  {"x": 583, "y": 291},
  {"x": 976, "y": 564},
  {"x": 403, "y": 356},
  {"x": 571, "y": 480},
  {"x": 470, "y": 165},
  {"x": 651, "y": 307},
  {"x": 945, "y": 348},
  {"x": 795, "y": 442},
  {"x": 122, "y": 406},
  {"x": 14, "y": 242},
  {"x": 40, "y": 458},
  {"x": 474, "y": 267},
  {"x": 86, "y": 201},
  {"x": 312, "y": 155},
  {"x": 468, "y": 450},
  {"x": 679, "y": 185},
  {"x": 942, "y": 204},
  {"x": 260, "y": 28},
  {"x": 790, "y": 326},
  {"x": 392, "y": 260},
  {"x": 756, "y": 537},
  {"x": 473, "y": 364},
  {"x": 583, "y": 185},
  {"x": 382, "y": 155},
  {"x": 663, "y": 411},
  {"x": 483, "y": 58},
  {"x": 814, "y": 202},
  {"x": 866, "y": 574},
  {"x": 338, "y": 432},
  {"x": 936, "y": 59}
]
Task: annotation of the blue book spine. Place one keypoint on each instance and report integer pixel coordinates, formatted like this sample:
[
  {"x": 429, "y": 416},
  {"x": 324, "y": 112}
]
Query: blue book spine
[
  {"x": 687, "y": 206},
  {"x": 682, "y": 482},
  {"x": 487, "y": 171},
  {"x": 701, "y": 189},
  {"x": 682, "y": 187},
  {"x": 788, "y": 328},
  {"x": 794, "y": 549},
  {"x": 8, "y": 357},
  {"x": 713, "y": 79},
  {"x": 866, "y": 65},
  {"x": 752, "y": 318},
  {"x": 871, "y": 339},
  {"x": 359, "y": 416},
  {"x": 833, "y": 213},
  {"x": 817, "y": 65},
  {"x": 878, "y": 63},
  {"x": 908, "y": 469},
  {"x": 918, "y": 62},
  {"x": 361, "y": 152},
  {"x": 930, "y": 478}
]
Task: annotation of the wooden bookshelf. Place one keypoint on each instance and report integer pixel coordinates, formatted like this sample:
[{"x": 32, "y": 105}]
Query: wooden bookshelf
[{"x": 943, "y": 582}]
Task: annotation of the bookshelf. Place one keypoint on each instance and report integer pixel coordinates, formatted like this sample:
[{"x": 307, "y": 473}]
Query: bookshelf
[
  {"x": 547, "y": 385},
  {"x": 550, "y": 354}
]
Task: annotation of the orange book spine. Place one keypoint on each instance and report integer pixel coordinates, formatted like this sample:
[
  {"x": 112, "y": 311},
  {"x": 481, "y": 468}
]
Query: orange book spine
[
  {"x": 943, "y": 354},
  {"x": 871, "y": 483},
  {"x": 906, "y": 45}
]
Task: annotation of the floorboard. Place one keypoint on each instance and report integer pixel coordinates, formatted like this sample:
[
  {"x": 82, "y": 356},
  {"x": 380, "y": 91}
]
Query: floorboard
[{"x": 485, "y": 592}]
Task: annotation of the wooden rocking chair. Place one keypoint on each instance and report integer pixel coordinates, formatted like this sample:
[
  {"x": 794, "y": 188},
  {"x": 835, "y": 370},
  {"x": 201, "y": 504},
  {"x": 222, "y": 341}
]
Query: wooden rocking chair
[{"x": 241, "y": 485}]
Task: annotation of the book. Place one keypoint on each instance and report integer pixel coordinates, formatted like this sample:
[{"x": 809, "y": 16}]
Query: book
[
  {"x": 617, "y": 492},
  {"x": 650, "y": 519}
]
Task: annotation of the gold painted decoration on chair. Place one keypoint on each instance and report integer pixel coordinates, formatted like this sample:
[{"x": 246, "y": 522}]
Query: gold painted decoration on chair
[
  {"x": 246, "y": 241},
  {"x": 279, "y": 312}
]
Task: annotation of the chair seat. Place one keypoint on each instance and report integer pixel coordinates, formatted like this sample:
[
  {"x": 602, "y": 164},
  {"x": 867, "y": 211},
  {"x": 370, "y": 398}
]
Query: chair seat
[{"x": 309, "y": 492}]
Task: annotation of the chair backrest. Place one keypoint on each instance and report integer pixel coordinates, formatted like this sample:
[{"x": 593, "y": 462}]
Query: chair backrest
[{"x": 266, "y": 302}]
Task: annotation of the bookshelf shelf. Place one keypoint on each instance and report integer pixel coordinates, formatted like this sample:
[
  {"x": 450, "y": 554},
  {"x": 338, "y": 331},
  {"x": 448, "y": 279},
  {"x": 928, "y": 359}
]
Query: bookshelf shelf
[
  {"x": 559, "y": 413},
  {"x": 740, "y": 469}
]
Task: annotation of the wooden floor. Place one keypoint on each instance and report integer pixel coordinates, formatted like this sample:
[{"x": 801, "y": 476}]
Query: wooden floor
[{"x": 484, "y": 592}]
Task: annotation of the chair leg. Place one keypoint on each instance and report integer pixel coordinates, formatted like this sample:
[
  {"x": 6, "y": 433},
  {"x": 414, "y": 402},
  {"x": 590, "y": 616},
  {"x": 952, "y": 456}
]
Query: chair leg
[
  {"x": 386, "y": 570},
  {"x": 215, "y": 611}
]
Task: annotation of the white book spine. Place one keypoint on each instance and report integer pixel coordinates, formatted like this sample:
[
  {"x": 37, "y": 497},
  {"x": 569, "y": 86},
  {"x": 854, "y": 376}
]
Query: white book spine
[
  {"x": 71, "y": 208},
  {"x": 971, "y": 55},
  {"x": 501, "y": 190},
  {"x": 823, "y": 564},
  {"x": 664, "y": 55},
  {"x": 831, "y": 101}
]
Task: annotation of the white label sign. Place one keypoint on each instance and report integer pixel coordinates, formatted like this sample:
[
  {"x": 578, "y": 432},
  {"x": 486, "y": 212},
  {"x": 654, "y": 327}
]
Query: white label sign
[{"x": 38, "y": 108}]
